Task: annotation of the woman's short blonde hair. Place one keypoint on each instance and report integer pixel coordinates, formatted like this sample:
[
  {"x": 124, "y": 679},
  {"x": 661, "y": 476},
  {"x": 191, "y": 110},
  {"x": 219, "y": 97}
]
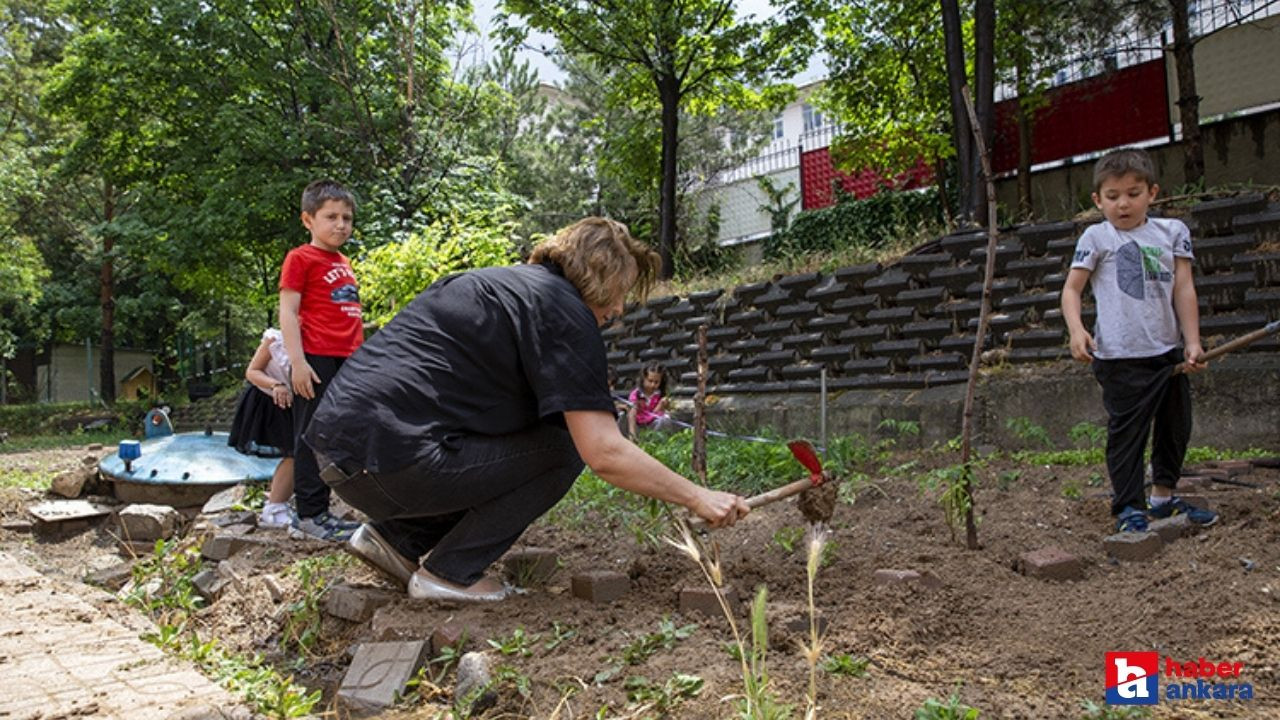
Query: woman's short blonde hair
[{"x": 596, "y": 255}]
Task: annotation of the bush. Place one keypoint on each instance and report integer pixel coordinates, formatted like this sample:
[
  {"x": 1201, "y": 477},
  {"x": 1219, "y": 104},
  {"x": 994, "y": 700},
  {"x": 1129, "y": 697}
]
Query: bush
[
  {"x": 852, "y": 222},
  {"x": 45, "y": 418}
]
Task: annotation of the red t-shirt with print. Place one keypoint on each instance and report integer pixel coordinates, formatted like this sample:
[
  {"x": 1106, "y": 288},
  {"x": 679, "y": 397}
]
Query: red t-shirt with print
[{"x": 329, "y": 314}]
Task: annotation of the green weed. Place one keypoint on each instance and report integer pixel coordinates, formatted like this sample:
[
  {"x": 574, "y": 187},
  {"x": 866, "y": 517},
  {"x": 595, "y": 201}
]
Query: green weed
[
  {"x": 1092, "y": 711},
  {"x": 663, "y": 698},
  {"x": 1087, "y": 434},
  {"x": 951, "y": 486},
  {"x": 1071, "y": 490},
  {"x": 642, "y": 648},
  {"x": 303, "y": 618},
  {"x": 560, "y": 634},
  {"x": 952, "y": 709},
  {"x": 845, "y": 664},
  {"x": 519, "y": 643},
  {"x": 1029, "y": 432},
  {"x": 787, "y": 537},
  {"x": 1007, "y": 479}
]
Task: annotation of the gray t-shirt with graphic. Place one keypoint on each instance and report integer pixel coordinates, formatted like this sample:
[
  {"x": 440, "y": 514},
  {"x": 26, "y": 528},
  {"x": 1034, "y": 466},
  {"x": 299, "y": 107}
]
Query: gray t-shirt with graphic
[{"x": 1132, "y": 281}]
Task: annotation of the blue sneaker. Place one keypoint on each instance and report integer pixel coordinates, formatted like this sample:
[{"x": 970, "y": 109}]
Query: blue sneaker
[
  {"x": 1131, "y": 520},
  {"x": 1178, "y": 506}
]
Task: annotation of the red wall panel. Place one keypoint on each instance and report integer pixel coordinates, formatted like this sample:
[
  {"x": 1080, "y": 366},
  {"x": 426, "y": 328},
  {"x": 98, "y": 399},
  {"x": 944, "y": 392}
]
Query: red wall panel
[{"x": 818, "y": 175}]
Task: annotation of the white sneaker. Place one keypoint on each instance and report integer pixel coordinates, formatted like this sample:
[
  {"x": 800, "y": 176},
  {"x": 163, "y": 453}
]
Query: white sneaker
[{"x": 276, "y": 515}]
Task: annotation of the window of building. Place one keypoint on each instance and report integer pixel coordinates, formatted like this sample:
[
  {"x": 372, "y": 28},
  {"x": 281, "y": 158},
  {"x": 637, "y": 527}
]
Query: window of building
[
  {"x": 812, "y": 118},
  {"x": 777, "y": 127}
]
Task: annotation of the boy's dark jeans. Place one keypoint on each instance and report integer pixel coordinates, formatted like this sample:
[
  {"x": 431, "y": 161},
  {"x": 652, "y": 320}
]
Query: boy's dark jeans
[
  {"x": 310, "y": 493},
  {"x": 468, "y": 499},
  {"x": 1142, "y": 396}
]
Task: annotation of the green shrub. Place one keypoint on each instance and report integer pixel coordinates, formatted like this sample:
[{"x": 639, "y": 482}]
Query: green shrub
[
  {"x": 48, "y": 418},
  {"x": 851, "y": 222}
]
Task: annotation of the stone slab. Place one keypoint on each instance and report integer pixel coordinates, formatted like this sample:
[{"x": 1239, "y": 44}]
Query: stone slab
[
  {"x": 54, "y": 512},
  {"x": 1051, "y": 563},
  {"x": 600, "y": 586},
  {"x": 379, "y": 672},
  {"x": 1171, "y": 528},
  {"x": 65, "y": 658},
  {"x": 1132, "y": 546}
]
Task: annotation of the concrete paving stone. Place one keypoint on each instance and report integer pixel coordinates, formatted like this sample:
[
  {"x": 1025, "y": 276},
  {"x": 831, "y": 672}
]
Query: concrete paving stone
[
  {"x": 379, "y": 672},
  {"x": 148, "y": 522},
  {"x": 702, "y": 599},
  {"x": 353, "y": 603},
  {"x": 600, "y": 586},
  {"x": 65, "y": 658},
  {"x": 531, "y": 567},
  {"x": 1051, "y": 563},
  {"x": 1172, "y": 528},
  {"x": 1132, "y": 546}
]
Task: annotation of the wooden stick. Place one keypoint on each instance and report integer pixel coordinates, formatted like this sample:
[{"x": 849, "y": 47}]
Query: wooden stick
[
  {"x": 765, "y": 498},
  {"x": 1233, "y": 345}
]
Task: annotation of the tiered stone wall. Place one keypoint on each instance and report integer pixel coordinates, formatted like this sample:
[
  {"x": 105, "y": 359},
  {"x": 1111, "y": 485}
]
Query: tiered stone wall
[{"x": 913, "y": 323}]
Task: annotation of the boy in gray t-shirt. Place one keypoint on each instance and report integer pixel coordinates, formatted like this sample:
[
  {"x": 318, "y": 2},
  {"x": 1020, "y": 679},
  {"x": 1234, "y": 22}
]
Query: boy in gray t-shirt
[{"x": 1139, "y": 269}]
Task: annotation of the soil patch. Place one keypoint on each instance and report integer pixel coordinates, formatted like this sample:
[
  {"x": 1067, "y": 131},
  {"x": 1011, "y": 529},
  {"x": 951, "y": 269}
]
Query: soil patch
[{"x": 1010, "y": 645}]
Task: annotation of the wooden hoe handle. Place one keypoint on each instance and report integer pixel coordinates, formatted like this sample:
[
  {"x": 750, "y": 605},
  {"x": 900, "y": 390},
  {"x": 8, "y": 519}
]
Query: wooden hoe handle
[
  {"x": 766, "y": 498},
  {"x": 1233, "y": 345}
]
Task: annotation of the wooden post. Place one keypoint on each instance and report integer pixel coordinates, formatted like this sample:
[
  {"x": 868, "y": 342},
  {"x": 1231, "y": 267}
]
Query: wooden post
[{"x": 699, "y": 459}]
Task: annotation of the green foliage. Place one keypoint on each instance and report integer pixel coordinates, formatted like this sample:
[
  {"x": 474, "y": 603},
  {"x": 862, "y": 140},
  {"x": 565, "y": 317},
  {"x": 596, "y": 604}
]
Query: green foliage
[
  {"x": 1007, "y": 478},
  {"x": 50, "y": 424},
  {"x": 162, "y": 581},
  {"x": 951, "y": 486},
  {"x": 1088, "y": 434},
  {"x": 845, "y": 664},
  {"x": 781, "y": 202},
  {"x": 758, "y": 701},
  {"x": 1071, "y": 489},
  {"x": 872, "y": 222},
  {"x": 787, "y": 537},
  {"x": 560, "y": 634},
  {"x": 303, "y": 618},
  {"x": 663, "y": 698},
  {"x": 1092, "y": 711},
  {"x": 1066, "y": 458},
  {"x": 644, "y": 647},
  {"x": 392, "y": 275},
  {"x": 1028, "y": 432},
  {"x": 519, "y": 643},
  {"x": 952, "y": 709}
]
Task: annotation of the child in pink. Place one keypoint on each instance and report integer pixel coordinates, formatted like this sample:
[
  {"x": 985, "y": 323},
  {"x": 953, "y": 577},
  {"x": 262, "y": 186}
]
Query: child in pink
[{"x": 648, "y": 401}]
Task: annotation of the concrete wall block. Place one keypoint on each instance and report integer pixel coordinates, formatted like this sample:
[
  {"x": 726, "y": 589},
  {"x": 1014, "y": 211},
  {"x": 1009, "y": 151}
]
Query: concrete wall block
[
  {"x": 1051, "y": 563},
  {"x": 600, "y": 586},
  {"x": 356, "y": 604},
  {"x": 702, "y": 599}
]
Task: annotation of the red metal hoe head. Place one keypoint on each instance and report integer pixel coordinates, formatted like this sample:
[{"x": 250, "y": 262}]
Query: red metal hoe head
[{"x": 808, "y": 457}]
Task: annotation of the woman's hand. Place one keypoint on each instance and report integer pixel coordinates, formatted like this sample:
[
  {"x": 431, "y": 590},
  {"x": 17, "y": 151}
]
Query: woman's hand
[{"x": 719, "y": 509}]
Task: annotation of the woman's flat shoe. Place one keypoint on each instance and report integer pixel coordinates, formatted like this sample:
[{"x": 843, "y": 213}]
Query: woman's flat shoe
[
  {"x": 425, "y": 587},
  {"x": 368, "y": 545}
]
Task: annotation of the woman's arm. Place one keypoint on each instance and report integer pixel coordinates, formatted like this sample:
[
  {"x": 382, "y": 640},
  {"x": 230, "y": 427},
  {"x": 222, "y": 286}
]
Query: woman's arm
[{"x": 621, "y": 463}]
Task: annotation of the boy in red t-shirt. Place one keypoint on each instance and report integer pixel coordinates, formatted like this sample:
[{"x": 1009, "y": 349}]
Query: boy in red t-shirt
[{"x": 320, "y": 318}]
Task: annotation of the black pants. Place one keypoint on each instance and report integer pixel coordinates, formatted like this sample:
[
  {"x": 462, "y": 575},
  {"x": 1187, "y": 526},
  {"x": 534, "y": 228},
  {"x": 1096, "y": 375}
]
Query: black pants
[
  {"x": 469, "y": 499},
  {"x": 310, "y": 493},
  {"x": 1143, "y": 397}
]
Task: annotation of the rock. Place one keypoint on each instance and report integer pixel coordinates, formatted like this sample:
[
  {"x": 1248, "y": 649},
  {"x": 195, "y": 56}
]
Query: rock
[
  {"x": 1132, "y": 546},
  {"x": 224, "y": 500},
  {"x": 450, "y": 634},
  {"x": 111, "y": 578},
  {"x": 474, "y": 678},
  {"x": 140, "y": 522},
  {"x": 209, "y": 585},
  {"x": 272, "y": 584},
  {"x": 531, "y": 567},
  {"x": 1172, "y": 527},
  {"x": 356, "y": 604},
  {"x": 600, "y": 586},
  {"x": 1051, "y": 563},
  {"x": 71, "y": 483}
]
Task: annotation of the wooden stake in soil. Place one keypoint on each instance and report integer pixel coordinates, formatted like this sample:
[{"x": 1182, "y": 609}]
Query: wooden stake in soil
[
  {"x": 699, "y": 459},
  {"x": 984, "y": 319}
]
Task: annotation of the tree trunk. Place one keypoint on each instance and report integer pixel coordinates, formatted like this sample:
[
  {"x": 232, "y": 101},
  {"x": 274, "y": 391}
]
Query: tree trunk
[
  {"x": 1025, "y": 113},
  {"x": 669, "y": 92},
  {"x": 106, "y": 299},
  {"x": 1188, "y": 101},
  {"x": 960, "y": 131},
  {"x": 984, "y": 86}
]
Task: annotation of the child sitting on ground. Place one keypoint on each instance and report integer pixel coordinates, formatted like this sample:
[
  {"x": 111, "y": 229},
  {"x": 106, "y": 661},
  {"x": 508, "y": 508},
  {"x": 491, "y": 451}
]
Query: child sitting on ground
[
  {"x": 648, "y": 401},
  {"x": 1139, "y": 269},
  {"x": 263, "y": 423}
]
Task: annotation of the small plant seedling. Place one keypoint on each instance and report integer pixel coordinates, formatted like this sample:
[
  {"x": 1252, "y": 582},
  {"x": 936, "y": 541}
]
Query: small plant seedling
[
  {"x": 517, "y": 644},
  {"x": 845, "y": 664},
  {"x": 1087, "y": 434},
  {"x": 733, "y": 650},
  {"x": 1027, "y": 431},
  {"x": 1071, "y": 490},
  {"x": 1096, "y": 479},
  {"x": 787, "y": 537},
  {"x": 1007, "y": 479},
  {"x": 1092, "y": 711},
  {"x": 663, "y": 698},
  {"x": 304, "y": 620},
  {"x": 952, "y": 709},
  {"x": 559, "y": 635}
]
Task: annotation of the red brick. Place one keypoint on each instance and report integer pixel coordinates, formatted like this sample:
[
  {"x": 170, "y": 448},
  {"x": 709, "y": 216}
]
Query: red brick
[
  {"x": 1051, "y": 563},
  {"x": 450, "y": 634},
  {"x": 600, "y": 586},
  {"x": 1234, "y": 468},
  {"x": 1132, "y": 546},
  {"x": 531, "y": 567},
  {"x": 702, "y": 599}
]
